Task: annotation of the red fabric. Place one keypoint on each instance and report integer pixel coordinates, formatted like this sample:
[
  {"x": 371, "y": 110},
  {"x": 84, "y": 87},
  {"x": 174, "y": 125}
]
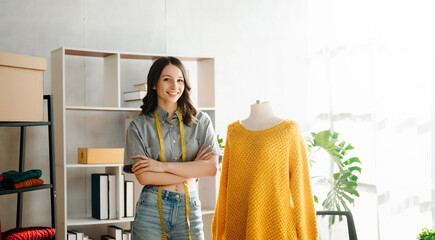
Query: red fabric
[
  {"x": 32, "y": 182},
  {"x": 29, "y": 233}
]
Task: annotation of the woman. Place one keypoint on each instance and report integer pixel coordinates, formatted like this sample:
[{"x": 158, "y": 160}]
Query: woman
[{"x": 168, "y": 146}]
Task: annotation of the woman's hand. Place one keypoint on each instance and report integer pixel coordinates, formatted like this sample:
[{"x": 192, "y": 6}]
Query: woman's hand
[
  {"x": 203, "y": 154},
  {"x": 147, "y": 164}
]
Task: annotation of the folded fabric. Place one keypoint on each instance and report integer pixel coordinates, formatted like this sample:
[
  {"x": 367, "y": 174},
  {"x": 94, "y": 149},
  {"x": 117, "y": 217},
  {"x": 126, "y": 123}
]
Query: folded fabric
[
  {"x": 26, "y": 183},
  {"x": 34, "y": 233},
  {"x": 16, "y": 177}
]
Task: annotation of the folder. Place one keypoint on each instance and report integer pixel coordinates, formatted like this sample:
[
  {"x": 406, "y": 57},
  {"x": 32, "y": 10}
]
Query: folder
[{"x": 100, "y": 195}]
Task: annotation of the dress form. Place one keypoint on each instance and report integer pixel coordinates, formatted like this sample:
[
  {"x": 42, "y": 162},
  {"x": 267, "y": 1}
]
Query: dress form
[{"x": 261, "y": 117}]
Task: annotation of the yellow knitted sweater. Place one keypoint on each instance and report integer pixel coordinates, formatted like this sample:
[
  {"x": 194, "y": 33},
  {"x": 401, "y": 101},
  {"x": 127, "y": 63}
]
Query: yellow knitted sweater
[{"x": 265, "y": 190}]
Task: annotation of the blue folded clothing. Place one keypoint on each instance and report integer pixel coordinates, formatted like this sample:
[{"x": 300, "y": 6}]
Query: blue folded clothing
[{"x": 16, "y": 177}]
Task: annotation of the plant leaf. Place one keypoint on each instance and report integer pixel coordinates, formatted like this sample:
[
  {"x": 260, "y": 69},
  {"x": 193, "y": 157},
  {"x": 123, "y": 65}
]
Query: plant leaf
[
  {"x": 322, "y": 138},
  {"x": 353, "y": 192},
  {"x": 343, "y": 188},
  {"x": 355, "y": 168},
  {"x": 354, "y": 178},
  {"x": 349, "y": 147}
]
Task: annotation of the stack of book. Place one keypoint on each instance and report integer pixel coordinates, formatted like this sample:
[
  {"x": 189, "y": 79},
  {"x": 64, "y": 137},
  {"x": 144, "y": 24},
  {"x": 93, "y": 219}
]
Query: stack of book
[
  {"x": 76, "y": 235},
  {"x": 104, "y": 196},
  {"x": 116, "y": 233},
  {"x": 113, "y": 233},
  {"x": 133, "y": 99}
]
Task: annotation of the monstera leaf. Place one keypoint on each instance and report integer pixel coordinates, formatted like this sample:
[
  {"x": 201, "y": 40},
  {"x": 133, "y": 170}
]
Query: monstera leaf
[{"x": 345, "y": 181}]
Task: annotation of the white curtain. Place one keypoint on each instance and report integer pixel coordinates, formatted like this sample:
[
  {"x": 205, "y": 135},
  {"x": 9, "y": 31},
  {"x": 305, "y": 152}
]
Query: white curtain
[{"x": 370, "y": 74}]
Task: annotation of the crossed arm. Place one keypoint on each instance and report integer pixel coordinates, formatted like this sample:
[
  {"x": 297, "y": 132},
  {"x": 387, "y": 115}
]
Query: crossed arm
[{"x": 150, "y": 171}]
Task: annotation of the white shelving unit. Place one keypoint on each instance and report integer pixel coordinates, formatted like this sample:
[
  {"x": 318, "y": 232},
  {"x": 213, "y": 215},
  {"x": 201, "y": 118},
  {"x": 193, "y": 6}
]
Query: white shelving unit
[{"x": 89, "y": 112}]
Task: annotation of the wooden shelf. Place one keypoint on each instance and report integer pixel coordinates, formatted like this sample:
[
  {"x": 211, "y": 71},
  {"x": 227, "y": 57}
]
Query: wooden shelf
[
  {"x": 117, "y": 109},
  {"x": 77, "y": 165},
  {"x": 111, "y": 109},
  {"x": 93, "y": 221},
  {"x": 88, "y": 84}
]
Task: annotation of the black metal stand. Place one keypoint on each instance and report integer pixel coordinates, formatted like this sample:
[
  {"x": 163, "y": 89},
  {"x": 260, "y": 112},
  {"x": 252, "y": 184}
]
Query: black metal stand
[
  {"x": 350, "y": 223},
  {"x": 52, "y": 185}
]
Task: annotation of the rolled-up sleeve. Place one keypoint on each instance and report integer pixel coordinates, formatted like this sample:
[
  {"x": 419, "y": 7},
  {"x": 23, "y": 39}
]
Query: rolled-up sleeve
[
  {"x": 134, "y": 145},
  {"x": 207, "y": 136}
]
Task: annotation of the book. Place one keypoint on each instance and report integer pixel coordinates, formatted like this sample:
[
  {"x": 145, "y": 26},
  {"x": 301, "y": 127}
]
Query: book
[
  {"x": 115, "y": 232},
  {"x": 78, "y": 235},
  {"x": 134, "y": 95},
  {"x": 100, "y": 195},
  {"x": 128, "y": 196},
  {"x": 126, "y": 235},
  {"x": 121, "y": 190},
  {"x": 112, "y": 196},
  {"x": 140, "y": 87},
  {"x": 71, "y": 236}
]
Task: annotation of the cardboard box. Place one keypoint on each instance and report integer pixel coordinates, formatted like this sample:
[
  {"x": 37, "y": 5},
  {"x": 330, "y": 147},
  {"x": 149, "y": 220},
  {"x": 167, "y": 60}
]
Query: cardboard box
[
  {"x": 100, "y": 155},
  {"x": 21, "y": 88}
]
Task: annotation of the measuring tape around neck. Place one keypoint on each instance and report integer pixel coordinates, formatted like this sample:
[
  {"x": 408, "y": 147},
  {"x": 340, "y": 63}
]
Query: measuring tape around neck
[{"x": 162, "y": 159}]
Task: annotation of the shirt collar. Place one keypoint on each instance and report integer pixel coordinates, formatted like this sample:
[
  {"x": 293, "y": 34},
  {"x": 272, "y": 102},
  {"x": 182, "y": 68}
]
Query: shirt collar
[{"x": 163, "y": 114}]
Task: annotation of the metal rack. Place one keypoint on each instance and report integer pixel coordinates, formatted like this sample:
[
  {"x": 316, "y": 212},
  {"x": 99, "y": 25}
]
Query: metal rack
[{"x": 52, "y": 185}]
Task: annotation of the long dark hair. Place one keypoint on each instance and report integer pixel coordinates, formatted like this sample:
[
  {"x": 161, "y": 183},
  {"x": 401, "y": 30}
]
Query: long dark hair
[{"x": 184, "y": 102}]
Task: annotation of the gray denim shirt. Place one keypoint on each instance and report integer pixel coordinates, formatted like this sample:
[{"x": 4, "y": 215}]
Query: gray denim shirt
[{"x": 142, "y": 138}]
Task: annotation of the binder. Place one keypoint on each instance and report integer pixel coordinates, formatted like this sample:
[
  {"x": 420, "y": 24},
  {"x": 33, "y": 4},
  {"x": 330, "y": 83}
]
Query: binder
[
  {"x": 100, "y": 195},
  {"x": 128, "y": 188},
  {"x": 112, "y": 196},
  {"x": 115, "y": 232},
  {"x": 121, "y": 190}
]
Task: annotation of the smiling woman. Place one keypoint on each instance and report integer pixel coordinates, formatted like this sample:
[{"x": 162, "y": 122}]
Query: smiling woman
[
  {"x": 169, "y": 87},
  {"x": 168, "y": 147},
  {"x": 162, "y": 70}
]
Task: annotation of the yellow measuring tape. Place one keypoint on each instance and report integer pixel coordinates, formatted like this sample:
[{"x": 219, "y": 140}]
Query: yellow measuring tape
[{"x": 162, "y": 158}]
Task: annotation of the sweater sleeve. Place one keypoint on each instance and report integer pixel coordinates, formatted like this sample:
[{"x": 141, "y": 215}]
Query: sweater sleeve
[
  {"x": 300, "y": 187},
  {"x": 219, "y": 218}
]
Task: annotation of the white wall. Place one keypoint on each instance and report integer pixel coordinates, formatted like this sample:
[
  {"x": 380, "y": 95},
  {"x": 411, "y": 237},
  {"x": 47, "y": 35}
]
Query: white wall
[{"x": 259, "y": 48}]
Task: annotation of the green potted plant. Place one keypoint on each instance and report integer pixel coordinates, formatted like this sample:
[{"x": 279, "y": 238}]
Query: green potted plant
[
  {"x": 344, "y": 183},
  {"x": 426, "y": 234}
]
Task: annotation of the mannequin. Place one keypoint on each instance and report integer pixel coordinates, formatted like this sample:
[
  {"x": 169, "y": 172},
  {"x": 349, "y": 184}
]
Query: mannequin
[
  {"x": 261, "y": 117},
  {"x": 265, "y": 188}
]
